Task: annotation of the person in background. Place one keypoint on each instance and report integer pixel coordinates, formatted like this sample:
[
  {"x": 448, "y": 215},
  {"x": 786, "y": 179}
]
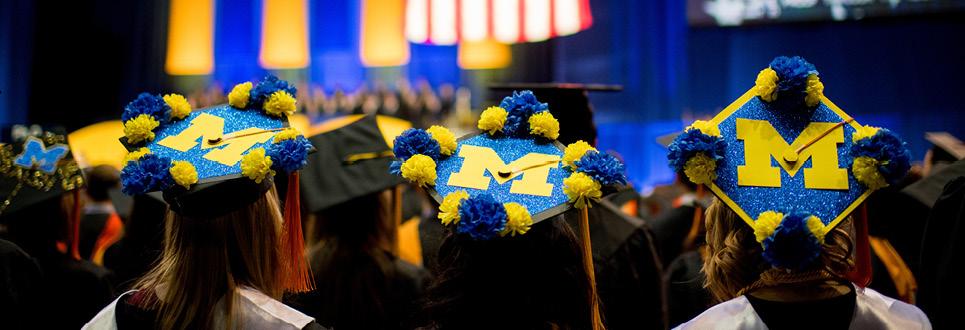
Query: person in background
[
  {"x": 140, "y": 247},
  {"x": 101, "y": 226}
]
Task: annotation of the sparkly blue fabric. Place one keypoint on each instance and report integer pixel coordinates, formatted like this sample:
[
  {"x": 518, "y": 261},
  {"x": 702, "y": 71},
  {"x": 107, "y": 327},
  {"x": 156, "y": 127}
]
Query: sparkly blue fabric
[
  {"x": 267, "y": 86},
  {"x": 481, "y": 217},
  {"x": 415, "y": 141},
  {"x": 234, "y": 120},
  {"x": 791, "y": 196},
  {"x": 150, "y": 173},
  {"x": 887, "y": 147},
  {"x": 520, "y": 106},
  {"x": 509, "y": 149},
  {"x": 603, "y": 167},
  {"x": 152, "y": 105},
  {"x": 691, "y": 142},
  {"x": 289, "y": 155},
  {"x": 791, "y": 246}
]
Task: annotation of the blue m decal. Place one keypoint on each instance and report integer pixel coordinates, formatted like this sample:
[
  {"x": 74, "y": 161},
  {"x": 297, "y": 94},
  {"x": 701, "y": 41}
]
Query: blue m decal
[{"x": 35, "y": 154}]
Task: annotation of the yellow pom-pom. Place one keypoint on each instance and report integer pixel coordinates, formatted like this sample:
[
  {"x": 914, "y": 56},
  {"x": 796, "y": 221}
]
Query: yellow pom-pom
[
  {"x": 136, "y": 155},
  {"x": 447, "y": 140},
  {"x": 256, "y": 166},
  {"x": 518, "y": 220},
  {"x": 701, "y": 169},
  {"x": 449, "y": 208},
  {"x": 766, "y": 85},
  {"x": 180, "y": 107},
  {"x": 864, "y": 132},
  {"x": 766, "y": 223},
  {"x": 492, "y": 120},
  {"x": 420, "y": 169},
  {"x": 581, "y": 190},
  {"x": 183, "y": 173},
  {"x": 815, "y": 91},
  {"x": 545, "y": 125},
  {"x": 287, "y": 134},
  {"x": 865, "y": 170},
  {"x": 817, "y": 228},
  {"x": 705, "y": 127},
  {"x": 574, "y": 152},
  {"x": 279, "y": 104},
  {"x": 238, "y": 97},
  {"x": 141, "y": 128}
]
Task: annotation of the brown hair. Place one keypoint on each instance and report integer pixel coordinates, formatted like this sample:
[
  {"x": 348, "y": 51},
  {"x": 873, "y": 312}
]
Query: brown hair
[
  {"x": 204, "y": 260},
  {"x": 733, "y": 261}
]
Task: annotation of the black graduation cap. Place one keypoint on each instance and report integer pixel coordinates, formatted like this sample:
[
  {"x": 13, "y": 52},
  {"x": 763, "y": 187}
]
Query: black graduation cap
[
  {"x": 35, "y": 166},
  {"x": 947, "y": 143},
  {"x": 350, "y": 162},
  {"x": 569, "y": 103}
]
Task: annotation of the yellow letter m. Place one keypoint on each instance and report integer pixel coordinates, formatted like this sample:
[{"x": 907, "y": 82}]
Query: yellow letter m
[
  {"x": 210, "y": 127},
  {"x": 762, "y": 142},
  {"x": 534, "y": 167}
]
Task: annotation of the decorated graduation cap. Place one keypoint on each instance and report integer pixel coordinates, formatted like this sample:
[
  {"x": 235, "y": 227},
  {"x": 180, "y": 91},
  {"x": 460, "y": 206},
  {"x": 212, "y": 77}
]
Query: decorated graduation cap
[
  {"x": 36, "y": 165},
  {"x": 216, "y": 160},
  {"x": 789, "y": 162},
  {"x": 571, "y": 105}
]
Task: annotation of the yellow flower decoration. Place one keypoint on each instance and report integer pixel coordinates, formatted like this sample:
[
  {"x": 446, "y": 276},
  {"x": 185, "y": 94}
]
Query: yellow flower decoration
[
  {"x": 180, "y": 107},
  {"x": 183, "y": 173},
  {"x": 420, "y": 169},
  {"x": 545, "y": 125},
  {"x": 701, "y": 169},
  {"x": 705, "y": 127},
  {"x": 256, "y": 166},
  {"x": 574, "y": 152},
  {"x": 817, "y": 228},
  {"x": 766, "y": 223},
  {"x": 518, "y": 220},
  {"x": 865, "y": 170},
  {"x": 492, "y": 120},
  {"x": 136, "y": 155},
  {"x": 581, "y": 190},
  {"x": 815, "y": 90},
  {"x": 864, "y": 132},
  {"x": 279, "y": 104},
  {"x": 287, "y": 134},
  {"x": 238, "y": 97},
  {"x": 447, "y": 140},
  {"x": 140, "y": 128},
  {"x": 766, "y": 85},
  {"x": 449, "y": 208}
]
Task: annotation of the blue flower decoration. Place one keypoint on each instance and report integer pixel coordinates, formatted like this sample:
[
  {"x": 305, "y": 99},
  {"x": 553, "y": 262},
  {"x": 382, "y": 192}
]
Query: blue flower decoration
[
  {"x": 395, "y": 167},
  {"x": 289, "y": 155},
  {"x": 792, "y": 73},
  {"x": 792, "y": 246},
  {"x": 520, "y": 106},
  {"x": 889, "y": 149},
  {"x": 415, "y": 141},
  {"x": 481, "y": 217},
  {"x": 691, "y": 142},
  {"x": 152, "y": 105},
  {"x": 267, "y": 86},
  {"x": 149, "y": 173},
  {"x": 604, "y": 168}
]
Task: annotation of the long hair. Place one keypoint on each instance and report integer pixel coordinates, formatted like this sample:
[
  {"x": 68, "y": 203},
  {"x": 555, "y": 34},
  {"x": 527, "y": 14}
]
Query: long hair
[
  {"x": 532, "y": 281},
  {"x": 352, "y": 265},
  {"x": 734, "y": 262},
  {"x": 204, "y": 260}
]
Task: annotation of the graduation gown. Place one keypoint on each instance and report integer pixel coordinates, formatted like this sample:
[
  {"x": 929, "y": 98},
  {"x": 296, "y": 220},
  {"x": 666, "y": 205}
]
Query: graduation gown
[
  {"x": 686, "y": 295},
  {"x": 941, "y": 287},
  {"x": 670, "y": 229},
  {"x": 871, "y": 311},
  {"x": 628, "y": 270},
  {"x": 19, "y": 285}
]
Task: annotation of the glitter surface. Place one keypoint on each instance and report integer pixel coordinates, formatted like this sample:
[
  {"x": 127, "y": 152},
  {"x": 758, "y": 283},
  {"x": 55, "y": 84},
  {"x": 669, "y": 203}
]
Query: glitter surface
[
  {"x": 508, "y": 149},
  {"x": 791, "y": 196},
  {"x": 234, "y": 120}
]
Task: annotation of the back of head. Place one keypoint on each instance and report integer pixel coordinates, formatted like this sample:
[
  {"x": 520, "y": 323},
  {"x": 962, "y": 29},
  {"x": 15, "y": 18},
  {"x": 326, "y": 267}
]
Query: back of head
[
  {"x": 530, "y": 281},
  {"x": 100, "y": 180}
]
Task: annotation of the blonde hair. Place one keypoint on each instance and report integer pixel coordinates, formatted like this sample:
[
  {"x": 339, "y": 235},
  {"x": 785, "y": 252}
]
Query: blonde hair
[
  {"x": 204, "y": 260},
  {"x": 733, "y": 263}
]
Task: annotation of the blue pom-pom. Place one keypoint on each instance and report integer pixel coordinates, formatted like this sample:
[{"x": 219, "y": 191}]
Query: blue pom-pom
[
  {"x": 415, "y": 141},
  {"x": 604, "y": 168},
  {"x": 152, "y": 105},
  {"x": 289, "y": 155},
  {"x": 267, "y": 86},
  {"x": 792, "y": 246},
  {"x": 395, "y": 167},
  {"x": 149, "y": 173},
  {"x": 889, "y": 149},
  {"x": 481, "y": 217},
  {"x": 520, "y": 106},
  {"x": 689, "y": 143},
  {"x": 792, "y": 73}
]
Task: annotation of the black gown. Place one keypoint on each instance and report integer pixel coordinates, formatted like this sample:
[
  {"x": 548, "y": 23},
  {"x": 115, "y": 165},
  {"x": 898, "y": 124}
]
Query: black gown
[
  {"x": 19, "y": 286},
  {"x": 943, "y": 259},
  {"x": 686, "y": 295}
]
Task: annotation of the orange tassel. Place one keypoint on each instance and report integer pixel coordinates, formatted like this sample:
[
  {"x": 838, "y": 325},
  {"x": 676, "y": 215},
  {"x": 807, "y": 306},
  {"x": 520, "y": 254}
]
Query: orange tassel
[
  {"x": 861, "y": 275},
  {"x": 300, "y": 277},
  {"x": 73, "y": 224}
]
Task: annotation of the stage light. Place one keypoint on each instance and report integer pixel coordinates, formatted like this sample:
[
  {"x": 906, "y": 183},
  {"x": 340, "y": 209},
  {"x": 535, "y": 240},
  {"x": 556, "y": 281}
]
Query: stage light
[
  {"x": 190, "y": 48},
  {"x": 447, "y": 22},
  {"x": 382, "y": 42},
  {"x": 484, "y": 54},
  {"x": 284, "y": 34}
]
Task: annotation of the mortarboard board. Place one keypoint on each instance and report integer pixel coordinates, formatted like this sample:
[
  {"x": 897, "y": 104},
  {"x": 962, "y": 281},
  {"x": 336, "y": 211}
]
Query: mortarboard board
[
  {"x": 215, "y": 160},
  {"x": 948, "y": 143},
  {"x": 788, "y": 161},
  {"x": 570, "y": 104}
]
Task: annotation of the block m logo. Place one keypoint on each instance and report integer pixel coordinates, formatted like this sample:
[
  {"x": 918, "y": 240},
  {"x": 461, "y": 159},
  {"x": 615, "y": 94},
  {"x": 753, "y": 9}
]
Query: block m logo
[
  {"x": 762, "y": 142},
  {"x": 207, "y": 127},
  {"x": 534, "y": 167},
  {"x": 36, "y": 155}
]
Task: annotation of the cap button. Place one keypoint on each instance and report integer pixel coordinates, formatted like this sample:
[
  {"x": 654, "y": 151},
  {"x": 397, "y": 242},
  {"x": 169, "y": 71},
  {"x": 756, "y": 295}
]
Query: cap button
[{"x": 789, "y": 156}]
